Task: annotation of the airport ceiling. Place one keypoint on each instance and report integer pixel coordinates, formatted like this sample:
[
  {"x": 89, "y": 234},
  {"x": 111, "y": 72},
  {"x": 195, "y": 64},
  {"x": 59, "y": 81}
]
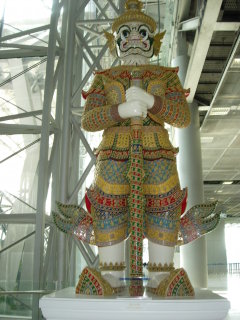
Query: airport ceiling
[{"x": 218, "y": 95}]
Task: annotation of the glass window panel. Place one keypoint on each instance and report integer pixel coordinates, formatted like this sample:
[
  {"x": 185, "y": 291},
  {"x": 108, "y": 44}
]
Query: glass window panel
[
  {"x": 16, "y": 265},
  {"x": 22, "y": 84},
  {"x": 93, "y": 139},
  {"x": 16, "y": 305},
  {"x": 21, "y": 15},
  {"x": 12, "y": 234},
  {"x": 32, "y": 39},
  {"x": 19, "y": 172}
]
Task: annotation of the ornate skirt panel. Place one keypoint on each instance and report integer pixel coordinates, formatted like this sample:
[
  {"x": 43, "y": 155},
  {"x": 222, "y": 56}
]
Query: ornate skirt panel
[
  {"x": 110, "y": 216},
  {"x": 163, "y": 211},
  {"x": 160, "y": 176},
  {"x": 109, "y": 201},
  {"x": 110, "y": 230},
  {"x": 163, "y": 228}
]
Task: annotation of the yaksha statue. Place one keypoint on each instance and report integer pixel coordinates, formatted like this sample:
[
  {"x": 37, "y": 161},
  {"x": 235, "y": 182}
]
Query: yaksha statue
[{"x": 136, "y": 191}]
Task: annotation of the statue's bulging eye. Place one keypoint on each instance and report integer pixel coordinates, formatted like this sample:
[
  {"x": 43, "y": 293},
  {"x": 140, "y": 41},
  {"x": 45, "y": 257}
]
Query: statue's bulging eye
[
  {"x": 125, "y": 33},
  {"x": 143, "y": 33}
]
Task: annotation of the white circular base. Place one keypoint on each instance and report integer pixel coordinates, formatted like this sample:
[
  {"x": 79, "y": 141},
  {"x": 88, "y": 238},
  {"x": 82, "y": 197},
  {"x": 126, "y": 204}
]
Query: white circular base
[{"x": 65, "y": 304}]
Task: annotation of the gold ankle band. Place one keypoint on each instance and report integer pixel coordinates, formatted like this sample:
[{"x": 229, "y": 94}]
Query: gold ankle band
[
  {"x": 153, "y": 267},
  {"x": 103, "y": 266}
]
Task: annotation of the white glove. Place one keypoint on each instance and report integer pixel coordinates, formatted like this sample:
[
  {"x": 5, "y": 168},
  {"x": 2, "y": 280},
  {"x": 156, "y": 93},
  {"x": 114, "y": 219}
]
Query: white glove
[
  {"x": 135, "y": 93},
  {"x": 131, "y": 109}
]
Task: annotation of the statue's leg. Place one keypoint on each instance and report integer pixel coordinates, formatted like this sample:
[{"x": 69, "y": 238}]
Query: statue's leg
[
  {"x": 112, "y": 264},
  {"x": 164, "y": 279},
  {"x": 160, "y": 263}
]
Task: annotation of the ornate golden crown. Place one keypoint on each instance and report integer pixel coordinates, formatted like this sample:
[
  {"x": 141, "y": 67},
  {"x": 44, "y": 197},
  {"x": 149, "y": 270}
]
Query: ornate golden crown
[{"x": 133, "y": 13}]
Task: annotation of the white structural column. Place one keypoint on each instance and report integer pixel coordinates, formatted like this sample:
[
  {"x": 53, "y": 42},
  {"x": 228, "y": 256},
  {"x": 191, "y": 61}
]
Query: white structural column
[
  {"x": 216, "y": 249},
  {"x": 193, "y": 256}
]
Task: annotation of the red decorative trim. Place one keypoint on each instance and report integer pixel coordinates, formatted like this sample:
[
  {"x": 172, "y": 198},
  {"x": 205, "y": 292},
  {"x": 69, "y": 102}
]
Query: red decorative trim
[
  {"x": 184, "y": 204},
  {"x": 85, "y": 94},
  {"x": 88, "y": 203},
  {"x": 187, "y": 92},
  {"x": 176, "y": 69}
]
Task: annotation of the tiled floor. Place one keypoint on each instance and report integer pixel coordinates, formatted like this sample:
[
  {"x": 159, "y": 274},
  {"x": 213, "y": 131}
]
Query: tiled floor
[{"x": 227, "y": 286}]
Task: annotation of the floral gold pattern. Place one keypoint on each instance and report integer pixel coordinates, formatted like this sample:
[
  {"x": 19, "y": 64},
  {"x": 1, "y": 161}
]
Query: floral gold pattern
[
  {"x": 114, "y": 92},
  {"x": 103, "y": 266},
  {"x": 92, "y": 283},
  {"x": 153, "y": 267},
  {"x": 177, "y": 284}
]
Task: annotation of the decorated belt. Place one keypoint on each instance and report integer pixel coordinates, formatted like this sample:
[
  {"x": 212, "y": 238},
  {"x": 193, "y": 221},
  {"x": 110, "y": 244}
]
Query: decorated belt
[{"x": 145, "y": 129}]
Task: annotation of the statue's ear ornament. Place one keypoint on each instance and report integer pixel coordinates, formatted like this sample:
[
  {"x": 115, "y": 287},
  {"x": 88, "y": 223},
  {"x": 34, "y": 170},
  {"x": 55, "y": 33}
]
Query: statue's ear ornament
[
  {"x": 157, "y": 42},
  {"x": 111, "y": 42}
]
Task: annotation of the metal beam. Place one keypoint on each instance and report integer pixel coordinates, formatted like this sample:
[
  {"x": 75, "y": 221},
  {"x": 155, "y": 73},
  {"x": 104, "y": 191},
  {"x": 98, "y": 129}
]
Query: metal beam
[
  {"x": 19, "y": 108},
  {"x": 189, "y": 25},
  {"x": 90, "y": 251},
  {"x": 83, "y": 251},
  {"x": 96, "y": 33},
  {"x": 20, "y": 150},
  {"x": 22, "y": 53},
  {"x": 114, "y": 7},
  {"x": 43, "y": 160},
  {"x": 82, "y": 7},
  {"x": 23, "y": 46},
  {"x": 54, "y": 263},
  {"x": 201, "y": 44},
  {"x": 22, "y": 218},
  {"x": 99, "y": 57},
  {"x": 71, "y": 8},
  {"x": 47, "y": 255},
  {"x": 98, "y": 17},
  {"x": 100, "y": 9},
  {"x": 22, "y": 115},
  {"x": 220, "y": 83},
  {"x": 92, "y": 56},
  {"x": 23, "y": 72},
  {"x": 25, "y": 32},
  {"x": 83, "y": 139},
  {"x": 17, "y": 242},
  {"x": 226, "y": 26},
  {"x": 94, "y": 22},
  {"x": 10, "y": 129},
  {"x": 56, "y": 73},
  {"x": 67, "y": 93},
  {"x": 81, "y": 181}
]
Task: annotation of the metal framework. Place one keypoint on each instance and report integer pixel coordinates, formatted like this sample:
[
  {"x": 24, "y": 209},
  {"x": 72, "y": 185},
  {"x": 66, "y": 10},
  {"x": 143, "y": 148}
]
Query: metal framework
[{"x": 67, "y": 53}]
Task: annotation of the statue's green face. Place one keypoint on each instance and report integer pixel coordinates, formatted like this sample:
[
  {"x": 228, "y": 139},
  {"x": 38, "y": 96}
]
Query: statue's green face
[{"x": 134, "y": 38}]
